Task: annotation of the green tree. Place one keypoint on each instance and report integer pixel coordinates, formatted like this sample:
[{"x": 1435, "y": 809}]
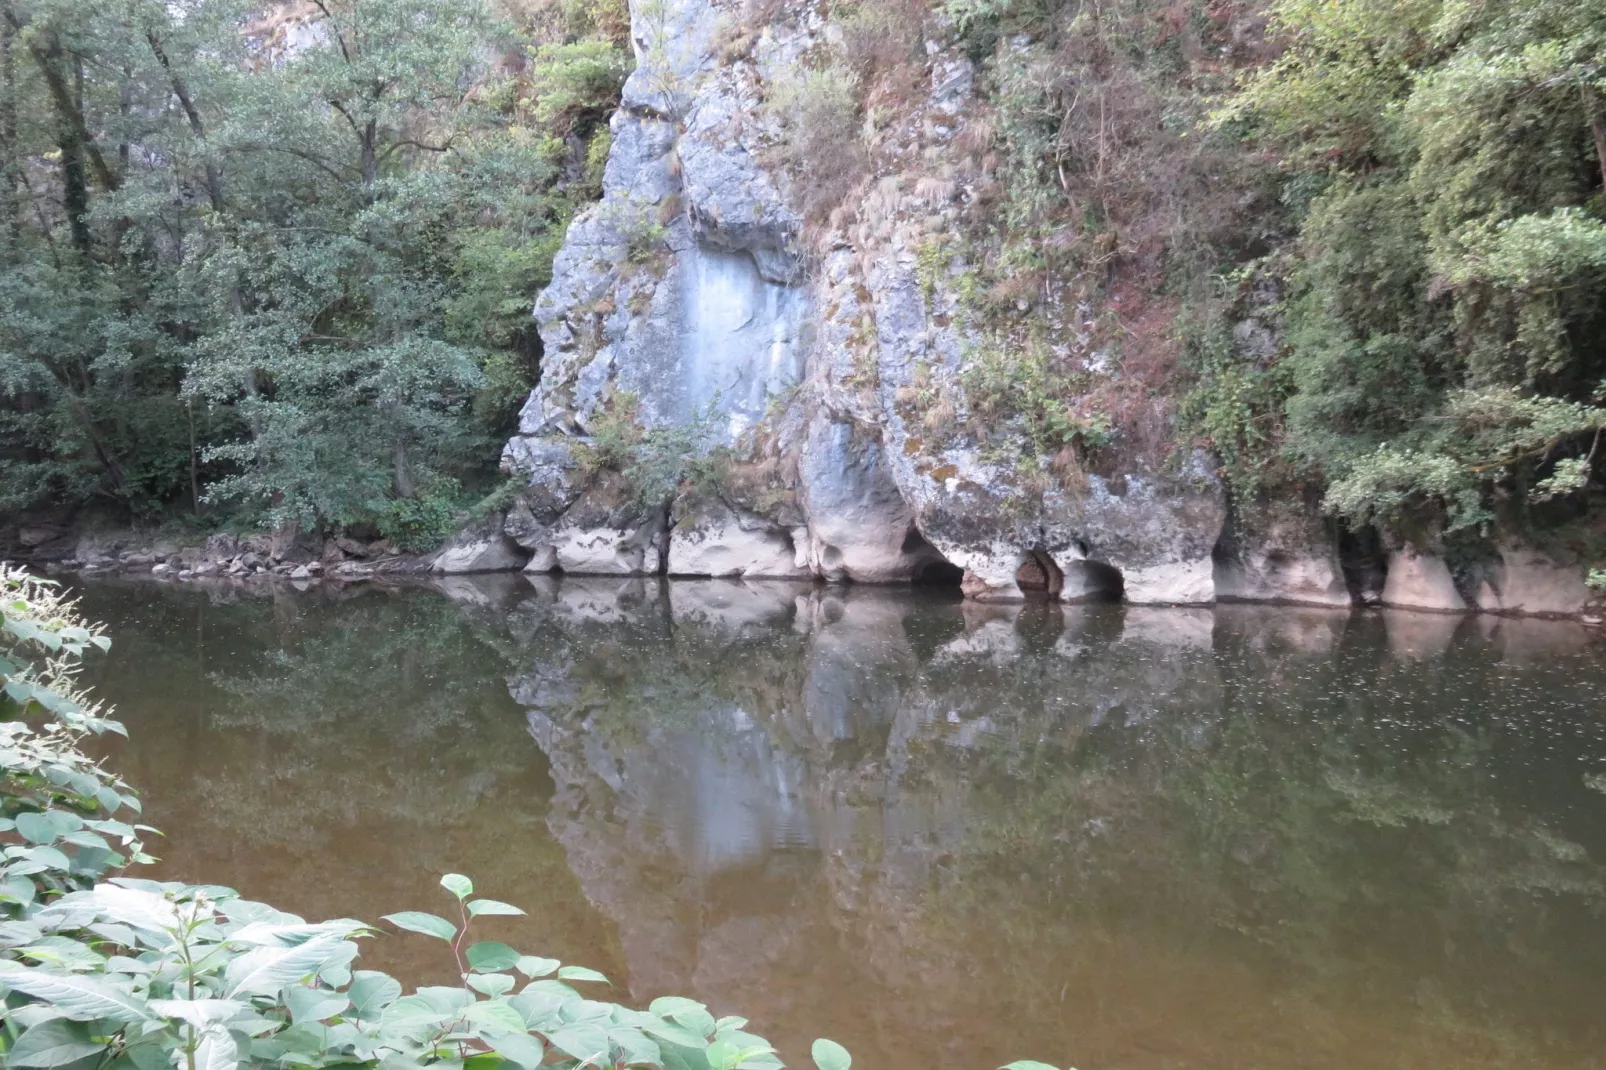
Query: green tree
[
  {"x": 279, "y": 262},
  {"x": 1446, "y": 324}
]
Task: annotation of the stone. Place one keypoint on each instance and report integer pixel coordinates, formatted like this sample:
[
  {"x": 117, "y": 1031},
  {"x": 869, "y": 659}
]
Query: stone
[
  {"x": 301, "y": 572},
  {"x": 1290, "y": 557},
  {"x": 606, "y": 532},
  {"x": 1527, "y": 581},
  {"x": 1421, "y": 580},
  {"x": 482, "y": 547},
  {"x": 34, "y": 535},
  {"x": 718, "y": 540},
  {"x": 859, "y": 526},
  {"x": 351, "y": 547}
]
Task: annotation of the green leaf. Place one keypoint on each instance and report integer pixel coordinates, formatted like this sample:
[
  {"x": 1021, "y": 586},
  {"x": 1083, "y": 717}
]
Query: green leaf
[
  {"x": 584, "y": 1042},
  {"x": 517, "y": 1047},
  {"x": 217, "y": 1050},
  {"x": 417, "y": 921},
  {"x": 264, "y": 970},
  {"x": 198, "y": 1012},
  {"x": 531, "y": 965},
  {"x": 495, "y": 1014},
  {"x": 476, "y": 907},
  {"x": 53, "y": 1043},
  {"x": 676, "y": 1034},
  {"x": 829, "y": 1055},
  {"x": 458, "y": 885},
  {"x": 410, "y": 1017},
  {"x": 489, "y": 956},
  {"x": 371, "y": 992},
  {"x": 581, "y": 973},
  {"x": 80, "y": 998},
  {"x": 36, "y": 828},
  {"x": 491, "y": 984},
  {"x": 312, "y": 1004}
]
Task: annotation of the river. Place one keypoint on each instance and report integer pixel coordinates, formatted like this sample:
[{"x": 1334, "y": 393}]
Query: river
[{"x": 1108, "y": 837}]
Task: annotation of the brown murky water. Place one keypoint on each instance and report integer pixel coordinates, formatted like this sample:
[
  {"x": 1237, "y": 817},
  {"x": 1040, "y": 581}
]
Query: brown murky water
[{"x": 945, "y": 836}]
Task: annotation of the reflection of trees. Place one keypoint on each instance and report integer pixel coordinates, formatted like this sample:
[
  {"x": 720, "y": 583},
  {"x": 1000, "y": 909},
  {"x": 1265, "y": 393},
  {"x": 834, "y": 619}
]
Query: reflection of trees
[
  {"x": 1362, "y": 831},
  {"x": 337, "y": 754}
]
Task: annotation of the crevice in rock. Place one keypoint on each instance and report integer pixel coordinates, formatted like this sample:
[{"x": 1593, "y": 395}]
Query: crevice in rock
[
  {"x": 932, "y": 568},
  {"x": 1091, "y": 583},
  {"x": 1365, "y": 563},
  {"x": 1038, "y": 577}
]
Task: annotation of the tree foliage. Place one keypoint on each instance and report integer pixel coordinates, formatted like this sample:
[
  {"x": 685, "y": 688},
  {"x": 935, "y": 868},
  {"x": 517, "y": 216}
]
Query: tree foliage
[
  {"x": 1444, "y": 312},
  {"x": 278, "y": 260}
]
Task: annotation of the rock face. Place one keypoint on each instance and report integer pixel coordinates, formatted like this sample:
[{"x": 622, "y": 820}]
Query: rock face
[
  {"x": 687, "y": 292},
  {"x": 479, "y": 548},
  {"x": 1420, "y": 580},
  {"x": 1289, "y": 556},
  {"x": 840, "y": 369}
]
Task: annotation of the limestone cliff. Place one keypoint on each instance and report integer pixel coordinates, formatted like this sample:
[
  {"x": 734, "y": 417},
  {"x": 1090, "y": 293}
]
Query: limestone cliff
[{"x": 831, "y": 362}]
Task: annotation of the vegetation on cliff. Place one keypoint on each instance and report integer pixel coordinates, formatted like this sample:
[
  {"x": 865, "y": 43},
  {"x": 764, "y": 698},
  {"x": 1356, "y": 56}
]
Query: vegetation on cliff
[{"x": 1353, "y": 247}]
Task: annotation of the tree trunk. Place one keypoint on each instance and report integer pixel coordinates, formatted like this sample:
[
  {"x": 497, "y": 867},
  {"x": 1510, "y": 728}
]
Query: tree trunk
[
  {"x": 1597, "y": 125},
  {"x": 69, "y": 138},
  {"x": 10, "y": 209},
  {"x": 404, "y": 472},
  {"x": 214, "y": 178}
]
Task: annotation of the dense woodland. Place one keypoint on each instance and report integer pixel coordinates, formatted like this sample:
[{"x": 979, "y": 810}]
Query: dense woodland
[{"x": 269, "y": 265}]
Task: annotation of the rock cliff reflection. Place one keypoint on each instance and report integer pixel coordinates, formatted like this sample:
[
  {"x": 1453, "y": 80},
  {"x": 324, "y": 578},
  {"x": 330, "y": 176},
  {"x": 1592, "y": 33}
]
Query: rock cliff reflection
[{"x": 943, "y": 834}]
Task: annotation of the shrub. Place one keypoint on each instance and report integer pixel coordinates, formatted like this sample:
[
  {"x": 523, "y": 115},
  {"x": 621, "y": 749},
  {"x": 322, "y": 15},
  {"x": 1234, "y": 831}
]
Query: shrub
[
  {"x": 657, "y": 463},
  {"x": 821, "y": 111}
]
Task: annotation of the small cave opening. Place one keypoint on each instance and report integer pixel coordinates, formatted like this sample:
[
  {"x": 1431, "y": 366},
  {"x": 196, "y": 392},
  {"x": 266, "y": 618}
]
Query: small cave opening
[
  {"x": 1365, "y": 563},
  {"x": 1038, "y": 577},
  {"x": 931, "y": 568},
  {"x": 1092, "y": 583}
]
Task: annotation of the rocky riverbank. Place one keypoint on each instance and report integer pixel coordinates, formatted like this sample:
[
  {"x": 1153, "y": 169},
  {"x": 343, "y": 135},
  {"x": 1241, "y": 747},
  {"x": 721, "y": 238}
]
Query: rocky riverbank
[{"x": 220, "y": 556}]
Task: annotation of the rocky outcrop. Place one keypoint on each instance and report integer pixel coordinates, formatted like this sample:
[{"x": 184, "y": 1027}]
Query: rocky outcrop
[
  {"x": 687, "y": 292},
  {"x": 843, "y": 367},
  {"x": 482, "y": 547},
  {"x": 1530, "y": 582},
  {"x": 1286, "y": 555},
  {"x": 1421, "y": 580}
]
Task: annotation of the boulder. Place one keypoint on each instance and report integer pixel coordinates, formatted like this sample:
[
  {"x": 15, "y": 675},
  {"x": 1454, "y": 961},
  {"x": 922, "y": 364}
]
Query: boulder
[
  {"x": 607, "y": 532},
  {"x": 1527, "y": 581},
  {"x": 482, "y": 547},
  {"x": 1421, "y": 580},
  {"x": 1291, "y": 556},
  {"x": 717, "y": 540}
]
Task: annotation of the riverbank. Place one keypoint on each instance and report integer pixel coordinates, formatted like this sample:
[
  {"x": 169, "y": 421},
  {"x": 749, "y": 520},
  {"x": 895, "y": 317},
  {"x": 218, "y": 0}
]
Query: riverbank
[
  {"x": 302, "y": 560},
  {"x": 187, "y": 556}
]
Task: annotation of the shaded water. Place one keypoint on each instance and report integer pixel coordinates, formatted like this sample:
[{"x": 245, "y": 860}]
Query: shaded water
[{"x": 1107, "y": 837}]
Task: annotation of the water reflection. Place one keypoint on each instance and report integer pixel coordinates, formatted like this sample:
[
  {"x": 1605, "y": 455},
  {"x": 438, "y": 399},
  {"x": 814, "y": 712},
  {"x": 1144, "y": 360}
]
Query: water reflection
[{"x": 938, "y": 832}]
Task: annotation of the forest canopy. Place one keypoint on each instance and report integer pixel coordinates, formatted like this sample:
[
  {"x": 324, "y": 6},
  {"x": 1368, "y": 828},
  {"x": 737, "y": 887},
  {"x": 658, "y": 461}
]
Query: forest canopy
[{"x": 275, "y": 262}]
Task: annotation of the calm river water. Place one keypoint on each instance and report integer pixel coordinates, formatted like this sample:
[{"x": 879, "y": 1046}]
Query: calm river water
[{"x": 943, "y": 835}]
